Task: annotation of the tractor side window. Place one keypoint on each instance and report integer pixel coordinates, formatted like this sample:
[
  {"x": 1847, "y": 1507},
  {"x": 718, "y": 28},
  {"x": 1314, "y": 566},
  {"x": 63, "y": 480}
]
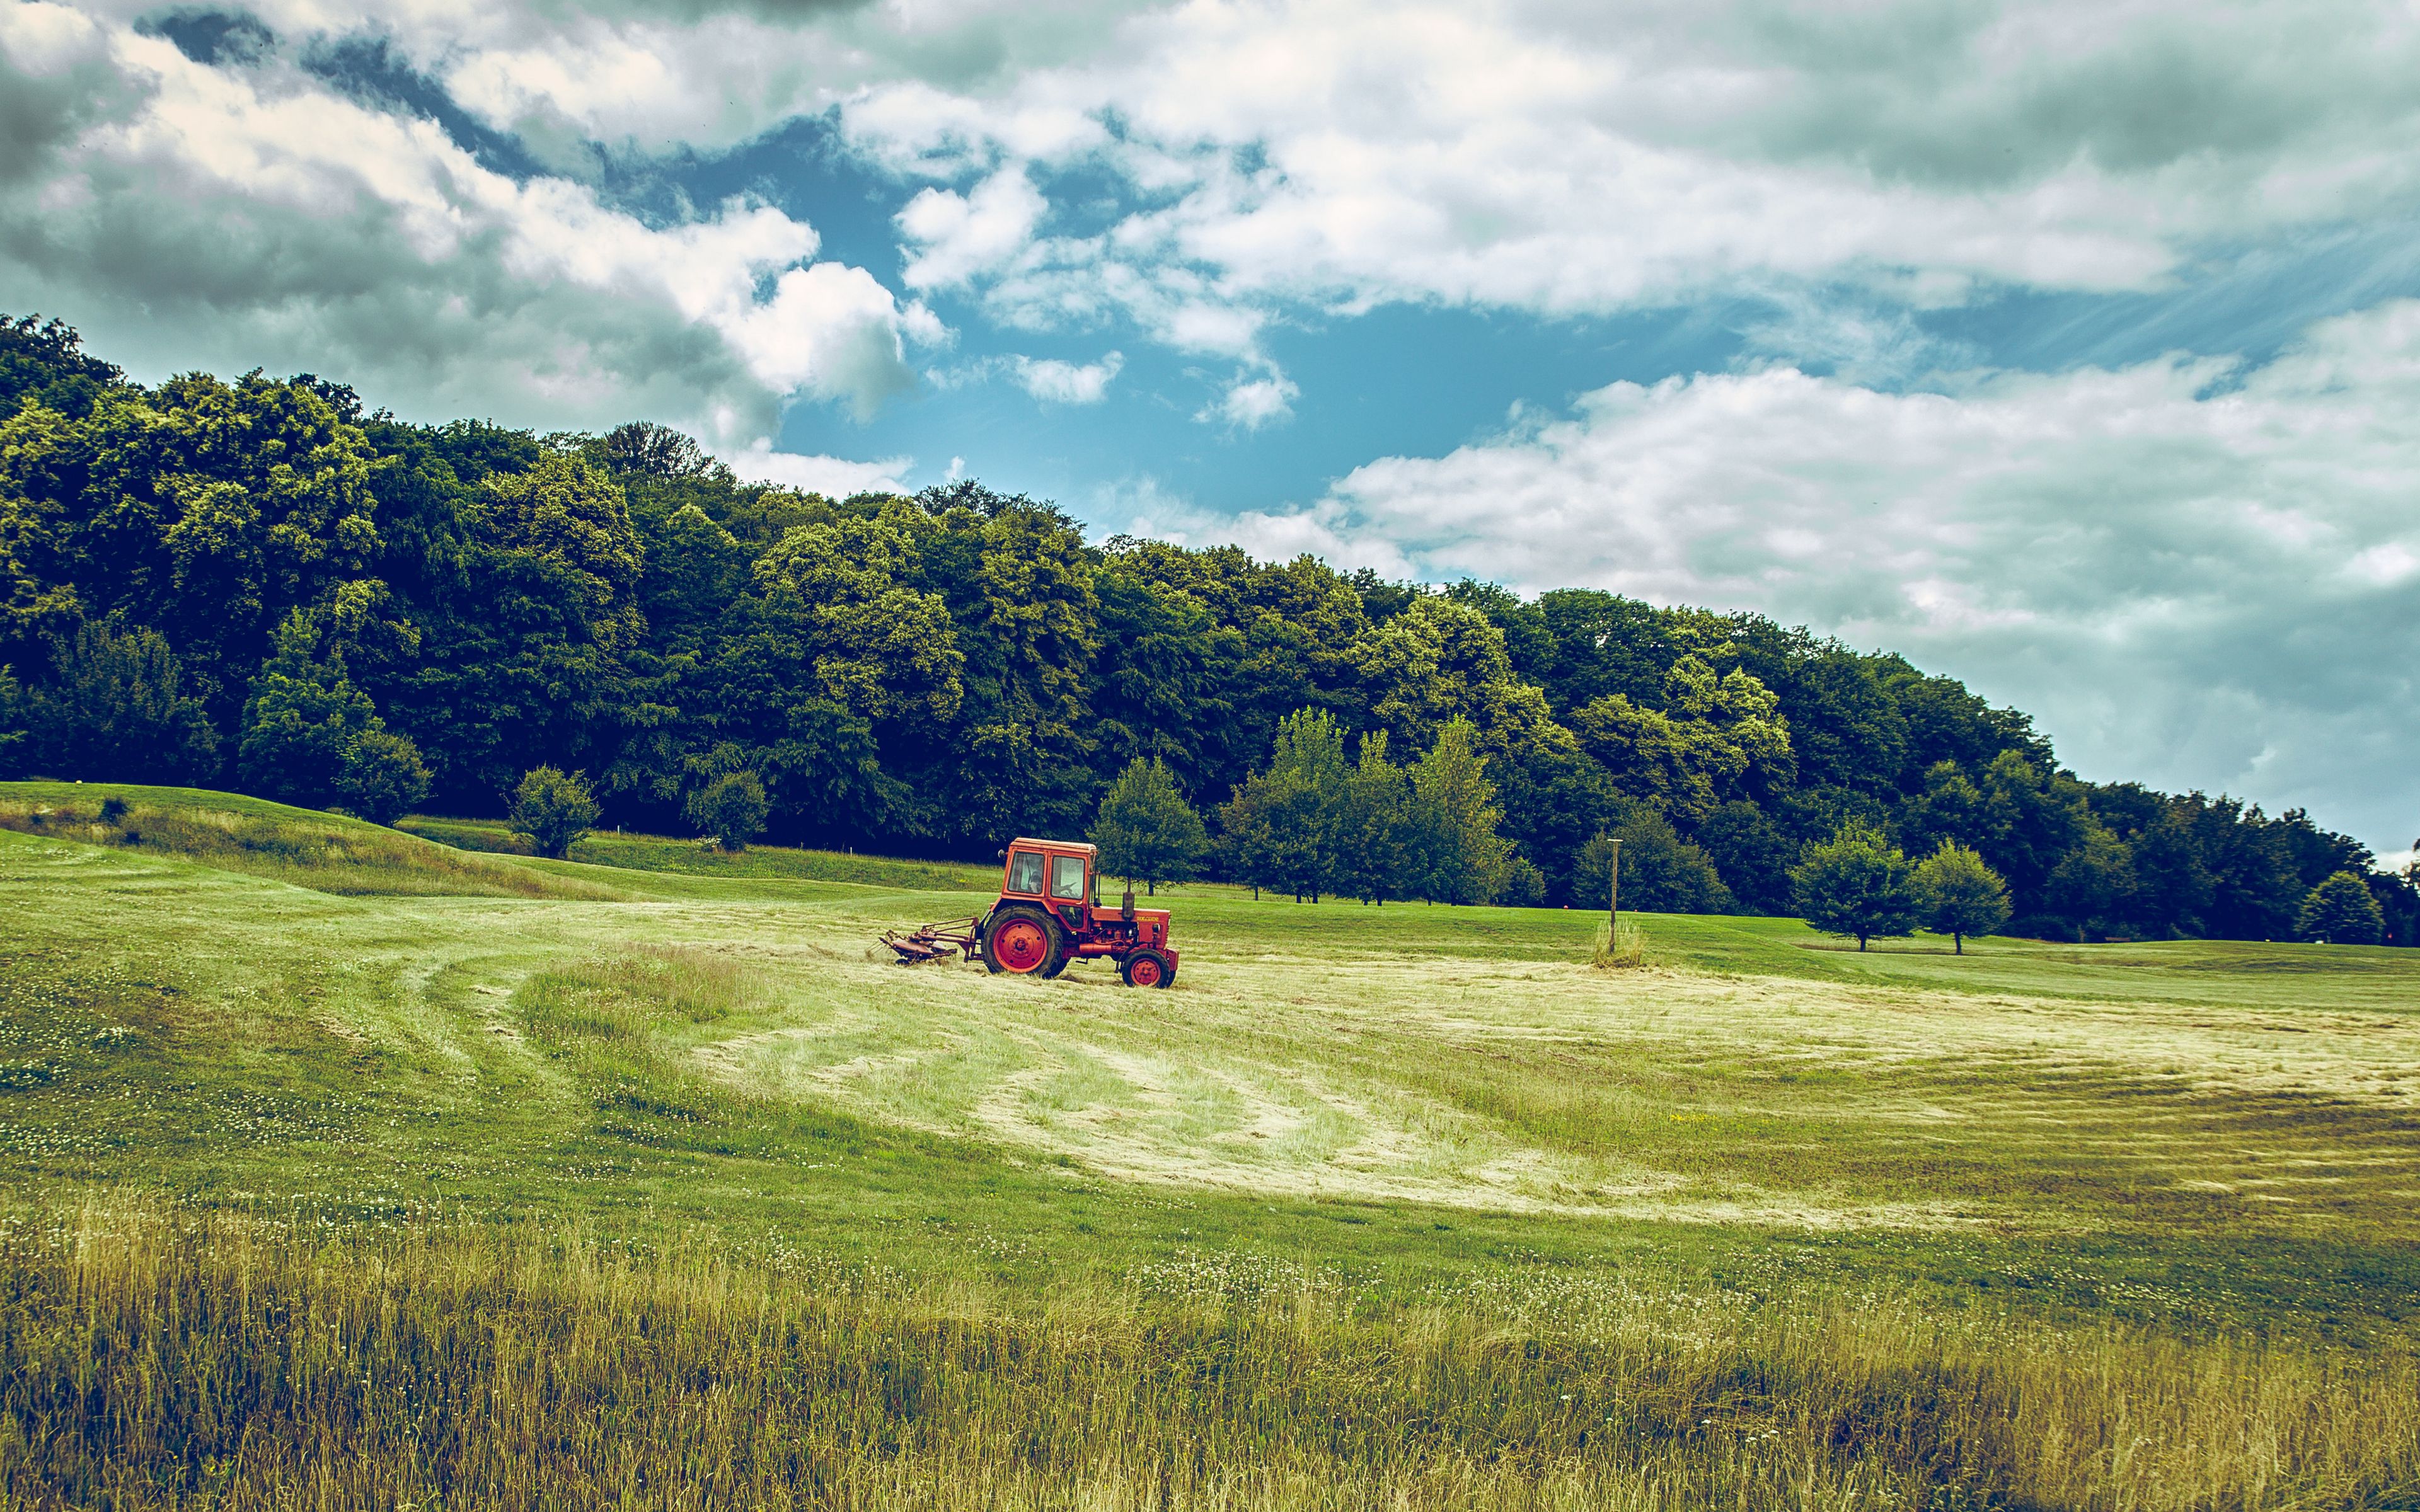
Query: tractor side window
[
  {"x": 1067, "y": 877},
  {"x": 1025, "y": 871}
]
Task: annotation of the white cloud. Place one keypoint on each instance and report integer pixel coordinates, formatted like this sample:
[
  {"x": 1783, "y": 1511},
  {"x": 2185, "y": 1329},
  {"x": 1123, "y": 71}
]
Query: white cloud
[
  {"x": 828, "y": 330},
  {"x": 2190, "y": 582},
  {"x": 1250, "y": 402},
  {"x": 186, "y": 215},
  {"x": 831, "y": 476},
  {"x": 1559, "y": 159},
  {"x": 1053, "y": 381},
  {"x": 954, "y": 235}
]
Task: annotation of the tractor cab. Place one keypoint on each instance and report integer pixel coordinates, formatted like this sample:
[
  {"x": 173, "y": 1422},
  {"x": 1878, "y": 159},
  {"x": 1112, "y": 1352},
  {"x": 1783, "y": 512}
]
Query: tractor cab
[
  {"x": 1049, "y": 912},
  {"x": 1057, "y": 874}
]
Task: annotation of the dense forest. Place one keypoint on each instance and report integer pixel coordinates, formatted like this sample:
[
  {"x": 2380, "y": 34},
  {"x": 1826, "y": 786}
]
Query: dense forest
[{"x": 240, "y": 583}]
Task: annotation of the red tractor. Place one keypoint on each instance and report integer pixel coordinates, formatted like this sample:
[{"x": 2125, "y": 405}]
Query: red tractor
[{"x": 1047, "y": 915}]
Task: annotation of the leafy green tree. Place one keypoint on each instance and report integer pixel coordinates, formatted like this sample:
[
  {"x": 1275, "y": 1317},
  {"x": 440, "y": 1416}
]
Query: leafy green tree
[
  {"x": 2397, "y": 894},
  {"x": 643, "y": 446},
  {"x": 535, "y": 620},
  {"x": 2093, "y": 883},
  {"x": 1246, "y": 847},
  {"x": 2027, "y": 823},
  {"x": 1303, "y": 805},
  {"x": 1457, "y": 853},
  {"x": 1016, "y": 577},
  {"x": 304, "y": 716},
  {"x": 1431, "y": 663},
  {"x": 551, "y": 810},
  {"x": 12, "y": 724},
  {"x": 2340, "y": 911},
  {"x": 1857, "y": 883},
  {"x": 1374, "y": 860},
  {"x": 2172, "y": 887},
  {"x": 1845, "y": 728},
  {"x": 1159, "y": 684},
  {"x": 877, "y": 646},
  {"x": 2257, "y": 891},
  {"x": 204, "y": 510},
  {"x": 1661, "y": 873},
  {"x": 1519, "y": 884},
  {"x": 731, "y": 807},
  {"x": 1555, "y": 801},
  {"x": 42, "y": 362},
  {"x": 1960, "y": 894},
  {"x": 1146, "y": 830},
  {"x": 1752, "y": 855},
  {"x": 1950, "y": 808},
  {"x": 115, "y": 711},
  {"x": 1745, "y": 746},
  {"x": 383, "y": 776}
]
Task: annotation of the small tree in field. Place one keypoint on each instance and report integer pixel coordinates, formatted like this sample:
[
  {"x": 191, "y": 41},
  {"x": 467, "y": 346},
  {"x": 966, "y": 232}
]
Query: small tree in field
[
  {"x": 2340, "y": 911},
  {"x": 551, "y": 810},
  {"x": 1856, "y": 883},
  {"x": 1960, "y": 895},
  {"x": 383, "y": 776},
  {"x": 1375, "y": 856},
  {"x": 1453, "y": 819},
  {"x": 732, "y": 808},
  {"x": 1146, "y": 830},
  {"x": 1519, "y": 884}
]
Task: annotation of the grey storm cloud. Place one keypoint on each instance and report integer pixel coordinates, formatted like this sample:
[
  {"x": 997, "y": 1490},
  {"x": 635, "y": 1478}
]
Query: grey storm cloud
[
  {"x": 1953, "y": 95},
  {"x": 187, "y": 215}
]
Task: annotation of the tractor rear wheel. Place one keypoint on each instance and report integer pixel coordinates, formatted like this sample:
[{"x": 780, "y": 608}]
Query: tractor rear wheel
[
  {"x": 1147, "y": 967},
  {"x": 1024, "y": 941}
]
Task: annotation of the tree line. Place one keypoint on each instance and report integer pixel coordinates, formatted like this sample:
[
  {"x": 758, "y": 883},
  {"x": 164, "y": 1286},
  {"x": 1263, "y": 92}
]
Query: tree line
[{"x": 258, "y": 584}]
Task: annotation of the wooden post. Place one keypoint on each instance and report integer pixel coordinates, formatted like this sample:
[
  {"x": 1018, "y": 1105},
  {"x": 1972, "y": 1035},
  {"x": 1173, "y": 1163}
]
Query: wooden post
[{"x": 1613, "y": 897}]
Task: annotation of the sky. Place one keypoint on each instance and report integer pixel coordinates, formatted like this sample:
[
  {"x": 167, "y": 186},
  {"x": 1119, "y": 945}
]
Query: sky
[{"x": 2070, "y": 348}]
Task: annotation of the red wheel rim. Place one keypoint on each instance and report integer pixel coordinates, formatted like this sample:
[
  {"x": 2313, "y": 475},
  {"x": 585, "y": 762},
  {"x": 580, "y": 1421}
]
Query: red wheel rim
[
  {"x": 1145, "y": 972},
  {"x": 1021, "y": 946}
]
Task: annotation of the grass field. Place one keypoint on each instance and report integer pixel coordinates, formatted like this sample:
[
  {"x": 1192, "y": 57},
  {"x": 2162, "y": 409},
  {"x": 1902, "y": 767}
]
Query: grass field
[{"x": 347, "y": 1168}]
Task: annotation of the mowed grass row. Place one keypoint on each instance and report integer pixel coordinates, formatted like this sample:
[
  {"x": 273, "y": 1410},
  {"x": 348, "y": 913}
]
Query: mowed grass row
[
  {"x": 663, "y": 1188},
  {"x": 155, "y": 1359}
]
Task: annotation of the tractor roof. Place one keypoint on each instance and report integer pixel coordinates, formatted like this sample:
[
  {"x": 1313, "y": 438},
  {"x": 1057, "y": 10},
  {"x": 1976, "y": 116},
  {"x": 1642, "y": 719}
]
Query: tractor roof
[{"x": 1053, "y": 844}]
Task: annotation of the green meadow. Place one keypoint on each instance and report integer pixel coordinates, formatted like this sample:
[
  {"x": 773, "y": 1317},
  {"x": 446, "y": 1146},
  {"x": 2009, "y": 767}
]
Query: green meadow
[{"x": 348, "y": 1166}]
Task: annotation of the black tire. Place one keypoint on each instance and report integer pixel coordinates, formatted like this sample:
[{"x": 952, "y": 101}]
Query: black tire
[
  {"x": 1158, "y": 968},
  {"x": 1011, "y": 931}
]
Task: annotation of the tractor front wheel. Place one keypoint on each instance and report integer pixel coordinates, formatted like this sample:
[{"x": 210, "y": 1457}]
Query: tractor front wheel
[
  {"x": 1022, "y": 940},
  {"x": 1147, "y": 967}
]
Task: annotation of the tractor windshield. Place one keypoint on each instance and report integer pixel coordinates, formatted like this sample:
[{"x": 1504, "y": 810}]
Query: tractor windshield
[
  {"x": 1025, "y": 872},
  {"x": 1067, "y": 877}
]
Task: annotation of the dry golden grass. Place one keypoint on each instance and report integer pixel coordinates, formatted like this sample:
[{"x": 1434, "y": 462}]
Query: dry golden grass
[{"x": 157, "y": 1359}]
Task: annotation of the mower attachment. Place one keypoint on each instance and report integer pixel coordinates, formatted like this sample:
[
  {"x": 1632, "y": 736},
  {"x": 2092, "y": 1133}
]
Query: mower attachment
[{"x": 931, "y": 942}]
